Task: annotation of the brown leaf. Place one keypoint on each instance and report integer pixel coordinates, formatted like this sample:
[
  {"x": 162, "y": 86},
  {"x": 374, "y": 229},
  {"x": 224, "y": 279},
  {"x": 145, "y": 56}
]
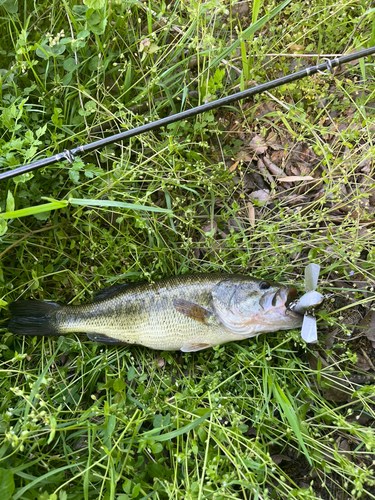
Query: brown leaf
[
  {"x": 343, "y": 444},
  {"x": 296, "y": 178},
  {"x": 258, "y": 144},
  {"x": 336, "y": 391},
  {"x": 278, "y": 157},
  {"x": 273, "y": 142},
  {"x": 368, "y": 325},
  {"x": 279, "y": 458},
  {"x": 362, "y": 363},
  {"x": 314, "y": 357},
  {"x": 208, "y": 227},
  {"x": 295, "y": 170},
  {"x": 234, "y": 166},
  {"x": 336, "y": 394},
  {"x": 296, "y": 48},
  {"x": 264, "y": 172},
  {"x": 240, "y": 9},
  {"x": 360, "y": 417},
  {"x": 161, "y": 362},
  {"x": 264, "y": 109},
  {"x": 274, "y": 169},
  {"x": 236, "y": 224},
  {"x": 251, "y": 212},
  {"x": 260, "y": 195}
]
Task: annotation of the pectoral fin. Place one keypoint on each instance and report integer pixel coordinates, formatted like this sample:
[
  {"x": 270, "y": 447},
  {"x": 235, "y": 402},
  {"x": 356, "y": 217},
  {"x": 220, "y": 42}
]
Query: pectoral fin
[
  {"x": 195, "y": 346},
  {"x": 193, "y": 311}
]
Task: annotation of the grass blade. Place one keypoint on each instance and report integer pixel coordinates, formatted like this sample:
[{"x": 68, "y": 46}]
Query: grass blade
[
  {"x": 179, "y": 432},
  {"x": 38, "y": 209},
  {"x": 40, "y": 479},
  {"x": 253, "y": 28},
  {"x": 116, "y": 204},
  {"x": 288, "y": 410}
]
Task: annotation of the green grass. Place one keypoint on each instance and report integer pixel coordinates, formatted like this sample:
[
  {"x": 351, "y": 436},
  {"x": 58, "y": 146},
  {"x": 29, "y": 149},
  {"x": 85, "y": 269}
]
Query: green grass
[{"x": 251, "y": 420}]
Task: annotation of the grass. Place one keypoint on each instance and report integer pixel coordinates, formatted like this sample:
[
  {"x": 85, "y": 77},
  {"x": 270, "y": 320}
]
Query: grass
[{"x": 267, "y": 418}]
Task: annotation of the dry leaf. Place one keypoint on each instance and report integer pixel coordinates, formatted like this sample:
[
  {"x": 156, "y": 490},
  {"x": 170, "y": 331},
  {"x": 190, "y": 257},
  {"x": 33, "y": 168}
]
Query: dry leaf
[
  {"x": 240, "y": 9},
  {"x": 296, "y": 178},
  {"x": 293, "y": 200},
  {"x": 251, "y": 211},
  {"x": 278, "y": 157},
  {"x": 236, "y": 224},
  {"x": 161, "y": 362},
  {"x": 274, "y": 169},
  {"x": 338, "y": 391},
  {"x": 279, "y": 458},
  {"x": 314, "y": 357},
  {"x": 295, "y": 170},
  {"x": 296, "y": 48},
  {"x": 360, "y": 417},
  {"x": 260, "y": 195},
  {"x": 362, "y": 363},
  {"x": 210, "y": 227},
  {"x": 336, "y": 394},
  {"x": 265, "y": 173},
  {"x": 264, "y": 109},
  {"x": 234, "y": 166},
  {"x": 367, "y": 325},
  {"x": 258, "y": 145},
  {"x": 273, "y": 142}
]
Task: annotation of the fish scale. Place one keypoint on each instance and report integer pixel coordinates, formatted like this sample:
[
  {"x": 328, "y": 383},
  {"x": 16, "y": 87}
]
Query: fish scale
[{"x": 146, "y": 315}]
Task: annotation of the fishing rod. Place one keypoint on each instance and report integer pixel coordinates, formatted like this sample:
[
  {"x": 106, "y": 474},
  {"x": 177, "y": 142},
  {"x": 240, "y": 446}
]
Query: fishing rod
[{"x": 70, "y": 155}]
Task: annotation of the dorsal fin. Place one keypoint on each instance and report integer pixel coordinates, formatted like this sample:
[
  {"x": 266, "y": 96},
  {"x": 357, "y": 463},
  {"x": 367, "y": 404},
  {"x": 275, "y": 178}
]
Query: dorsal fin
[{"x": 111, "y": 291}]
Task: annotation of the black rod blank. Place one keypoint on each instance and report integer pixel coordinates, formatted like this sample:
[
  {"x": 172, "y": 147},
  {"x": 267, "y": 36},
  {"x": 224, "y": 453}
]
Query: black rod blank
[{"x": 70, "y": 154}]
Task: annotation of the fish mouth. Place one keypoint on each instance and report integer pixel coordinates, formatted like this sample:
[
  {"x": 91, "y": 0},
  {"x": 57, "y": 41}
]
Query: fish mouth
[{"x": 287, "y": 295}]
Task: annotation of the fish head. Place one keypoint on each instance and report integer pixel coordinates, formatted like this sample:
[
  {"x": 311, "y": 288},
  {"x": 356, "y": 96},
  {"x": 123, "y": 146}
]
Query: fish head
[{"x": 248, "y": 306}]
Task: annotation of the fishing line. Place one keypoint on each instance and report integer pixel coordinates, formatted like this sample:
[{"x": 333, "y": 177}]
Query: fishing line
[{"x": 69, "y": 155}]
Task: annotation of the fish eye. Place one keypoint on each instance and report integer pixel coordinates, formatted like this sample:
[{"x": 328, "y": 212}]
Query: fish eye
[{"x": 264, "y": 285}]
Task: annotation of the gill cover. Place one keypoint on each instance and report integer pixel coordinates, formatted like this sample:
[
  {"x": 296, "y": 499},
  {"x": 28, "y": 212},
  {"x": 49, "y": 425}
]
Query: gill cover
[{"x": 246, "y": 307}]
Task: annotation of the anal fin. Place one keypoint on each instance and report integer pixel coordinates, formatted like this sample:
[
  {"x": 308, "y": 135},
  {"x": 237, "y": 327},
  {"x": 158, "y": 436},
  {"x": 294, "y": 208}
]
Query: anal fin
[
  {"x": 104, "y": 339},
  {"x": 195, "y": 346}
]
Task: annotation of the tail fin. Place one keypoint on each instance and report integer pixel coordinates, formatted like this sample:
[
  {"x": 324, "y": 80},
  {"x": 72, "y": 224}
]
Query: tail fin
[{"x": 33, "y": 317}]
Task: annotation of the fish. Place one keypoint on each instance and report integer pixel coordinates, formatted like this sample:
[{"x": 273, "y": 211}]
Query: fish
[{"x": 187, "y": 313}]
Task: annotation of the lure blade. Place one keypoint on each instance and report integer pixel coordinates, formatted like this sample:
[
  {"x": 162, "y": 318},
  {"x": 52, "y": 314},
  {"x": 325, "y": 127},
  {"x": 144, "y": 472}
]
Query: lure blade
[
  {"x": 311, "y": 276},
  {"x": 309, "y": 331}
]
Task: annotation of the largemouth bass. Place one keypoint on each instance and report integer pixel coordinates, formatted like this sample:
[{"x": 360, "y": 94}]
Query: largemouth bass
[{"x": 190, "y": 313}]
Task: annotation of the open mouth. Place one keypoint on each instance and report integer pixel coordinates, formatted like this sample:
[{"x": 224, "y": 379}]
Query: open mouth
[{"x": 287, "y": 295}]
